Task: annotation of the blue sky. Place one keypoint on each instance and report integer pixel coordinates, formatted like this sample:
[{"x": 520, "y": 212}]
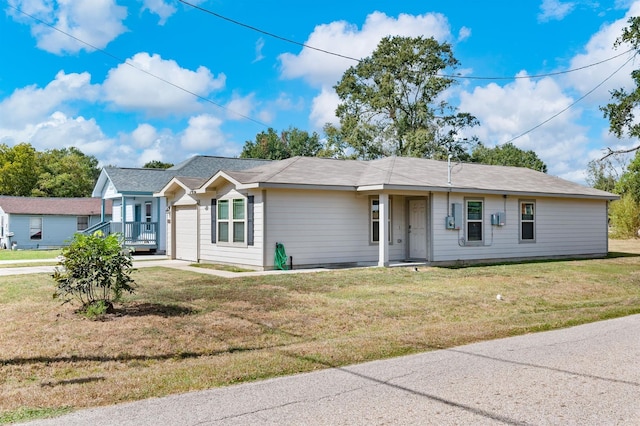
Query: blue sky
[{"x": 114, "y": 96}]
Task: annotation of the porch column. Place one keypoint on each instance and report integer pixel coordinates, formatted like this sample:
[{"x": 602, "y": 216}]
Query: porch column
[
  {"x": 102, "y": 210},
  {"x": 383, "y": 226}
]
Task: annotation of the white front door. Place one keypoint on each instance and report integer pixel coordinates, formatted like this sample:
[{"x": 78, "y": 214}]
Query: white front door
[{"x": 418, "y": 229}]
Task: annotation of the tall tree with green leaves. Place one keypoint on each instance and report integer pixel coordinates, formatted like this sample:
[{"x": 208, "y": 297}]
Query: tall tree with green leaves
[
  {"x": 66, "y": 172},
  {"x": 507, "y": 155},
  {"x": 621, "y": 111},
  {"x": 290, "y": 143},
  {"x": 19, "y": 168},
  {"x": 392, "y": 102},
  {"x": 157, "y": 164}
]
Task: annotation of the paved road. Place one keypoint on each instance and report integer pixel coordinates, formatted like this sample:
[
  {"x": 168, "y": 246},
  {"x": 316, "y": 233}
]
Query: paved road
[{"x": 585, "y": 375}]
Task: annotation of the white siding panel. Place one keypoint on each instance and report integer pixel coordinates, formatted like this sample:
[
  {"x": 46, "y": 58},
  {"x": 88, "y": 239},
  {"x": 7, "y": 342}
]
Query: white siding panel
[
  {"x": 564, "y": 227},
  {"x": 325, "y": 227},
  {"x": 244, "y": 255}
]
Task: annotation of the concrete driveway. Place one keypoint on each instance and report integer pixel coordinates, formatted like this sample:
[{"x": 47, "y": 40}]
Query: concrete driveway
[{"x": 585, "y": 375}]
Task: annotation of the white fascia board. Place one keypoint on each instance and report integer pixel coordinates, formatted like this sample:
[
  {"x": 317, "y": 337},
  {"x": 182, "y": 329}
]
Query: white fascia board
[
  {"x": 267, "y": 185},
  {"x": 169, "y": 187},
  {"x": 220, "y": 175}
]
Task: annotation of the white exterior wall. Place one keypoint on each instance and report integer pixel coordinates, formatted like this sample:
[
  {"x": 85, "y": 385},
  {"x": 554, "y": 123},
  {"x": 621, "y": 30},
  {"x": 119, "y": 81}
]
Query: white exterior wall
[
  {"x": 326, "y": 227},
  {"x": 230, "y": 253},
  {"x": 563, "y": 227}
]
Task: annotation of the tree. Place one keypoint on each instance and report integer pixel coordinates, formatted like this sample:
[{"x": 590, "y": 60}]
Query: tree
[
  {"x": 157, "y": 164},
  {"x": 95, "y": 271},
  {"x": 391, "y": 103},
  {"x": 18, "y": 169},
  {"x": 290, "y": 143},
  {"x": 629, "y": 183},
  {"x": 66, "y": 172},
  {"x": 507, "y": 155},
  {"x": 621, "y": 111},
  {"x": 601, "y": 175}
]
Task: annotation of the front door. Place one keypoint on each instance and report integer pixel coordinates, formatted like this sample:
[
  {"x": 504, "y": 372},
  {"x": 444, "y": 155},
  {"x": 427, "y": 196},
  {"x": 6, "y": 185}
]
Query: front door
[
  {"x": 137, "y": 218},
  {"x": 418, "y": 229}
]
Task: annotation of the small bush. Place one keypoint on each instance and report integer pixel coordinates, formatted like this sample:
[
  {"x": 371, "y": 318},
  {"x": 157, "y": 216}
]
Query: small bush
[
  {"x": 625, "y": 217},
  {"x": 95, "y": 271}
]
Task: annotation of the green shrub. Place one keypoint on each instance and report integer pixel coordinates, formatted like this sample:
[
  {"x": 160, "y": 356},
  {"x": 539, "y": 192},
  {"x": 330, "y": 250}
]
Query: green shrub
[
  {"x": 95, "y": 271},
  {"x": 625, "y": 217}
]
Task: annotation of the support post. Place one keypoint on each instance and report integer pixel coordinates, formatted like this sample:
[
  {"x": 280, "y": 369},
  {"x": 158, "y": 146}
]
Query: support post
[{"x": 383, "y": 224}]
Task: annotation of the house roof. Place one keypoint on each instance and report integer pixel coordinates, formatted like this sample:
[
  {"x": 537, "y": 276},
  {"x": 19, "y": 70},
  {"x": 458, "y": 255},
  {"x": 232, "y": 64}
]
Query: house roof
[
  {"x": 53, "y": 206},
  {"x": 141, "y": 180},
  {"x": 402, "y": 173}
]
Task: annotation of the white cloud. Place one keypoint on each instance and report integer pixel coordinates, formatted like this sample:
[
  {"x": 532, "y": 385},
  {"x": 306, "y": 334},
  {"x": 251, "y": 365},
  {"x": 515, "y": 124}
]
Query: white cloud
[
  {"x": 95, "y": 22},
  {"x": 204, "y": 135},
  {"x": 132, "y": 86},
  {"x": 240, "y": 107},
  {"x": 599, "y": 48},
  {"x": 323, "y": 109},
  {"x": 144, "y": 135},
  {"x": 464, "y": 33},
  {"x": 159, "y": 7},
  {"x": 322, "y": 70},
  {"x": 509, "y": 111},
  {"x": 554, "y": 10},
  {"x": 259, "y": 47},
  {"x": 32, "y": 104}
]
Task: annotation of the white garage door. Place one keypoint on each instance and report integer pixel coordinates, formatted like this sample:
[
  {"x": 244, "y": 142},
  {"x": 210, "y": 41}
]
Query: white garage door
[{"x": 186, "y": 236}]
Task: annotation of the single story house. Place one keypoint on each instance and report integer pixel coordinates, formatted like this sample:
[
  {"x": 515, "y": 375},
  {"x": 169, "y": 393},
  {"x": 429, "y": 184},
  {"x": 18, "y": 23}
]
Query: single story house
[
  {"x": 137, "y": 214},
  {"x": 326, "y": 212},
  {"x": 39, "y": 222}
]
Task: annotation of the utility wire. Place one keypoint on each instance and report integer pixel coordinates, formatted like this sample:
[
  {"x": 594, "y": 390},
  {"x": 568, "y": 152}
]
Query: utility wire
[
  {"x": 129, "y": 63},
  {"x": 574, "y": 103},
  {"x": 470, "y": 77}
]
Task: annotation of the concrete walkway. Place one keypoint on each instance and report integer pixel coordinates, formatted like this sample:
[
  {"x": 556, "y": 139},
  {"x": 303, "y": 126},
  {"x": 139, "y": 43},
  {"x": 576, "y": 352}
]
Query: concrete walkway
[
  {"x": 585, "y": 375},
  {"x": 139, "y": 262}
]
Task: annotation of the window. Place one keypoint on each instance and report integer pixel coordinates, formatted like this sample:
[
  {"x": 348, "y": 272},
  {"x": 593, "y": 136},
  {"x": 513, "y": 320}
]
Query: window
[
  {"x": 35, "y": 228},
  {"x": 375, "y": 220},
  {"x": 82, "y": 223},
  {"x": 147, "y": 215},
  {"x": 474, "y": 220},
  {"x": 231, "y": 220},
  {"x": 527, "y": 221}
]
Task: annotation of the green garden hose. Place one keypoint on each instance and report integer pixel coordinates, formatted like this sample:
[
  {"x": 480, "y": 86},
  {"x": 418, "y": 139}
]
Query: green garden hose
[{"x": 280, "y": 261}]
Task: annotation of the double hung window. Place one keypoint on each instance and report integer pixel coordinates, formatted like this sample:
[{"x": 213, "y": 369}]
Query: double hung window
[
  {"x": 475, "y": 224},
  {"x": 527, "y": 221},
  {"x": 82, "y": 223},
  {"x": 374, "y": 214},
  {"x": 35, "y": 228},
  {"x": 231, "y": 220}
]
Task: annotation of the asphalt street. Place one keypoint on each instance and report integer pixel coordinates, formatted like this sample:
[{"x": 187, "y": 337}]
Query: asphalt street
[{"x": 584, "y": 375}]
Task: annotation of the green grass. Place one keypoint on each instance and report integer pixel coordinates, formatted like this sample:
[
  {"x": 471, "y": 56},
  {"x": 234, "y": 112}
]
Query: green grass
[
  {"x": 24, "y": 414},
  {"x": 218, "y": 267},
  {"x": 28, "y": 254},
  {"x": 184, "y": 331}
]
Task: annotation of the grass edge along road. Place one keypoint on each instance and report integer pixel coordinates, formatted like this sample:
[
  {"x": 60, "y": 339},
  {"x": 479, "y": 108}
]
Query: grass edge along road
[{"x": 186, "y": 331}]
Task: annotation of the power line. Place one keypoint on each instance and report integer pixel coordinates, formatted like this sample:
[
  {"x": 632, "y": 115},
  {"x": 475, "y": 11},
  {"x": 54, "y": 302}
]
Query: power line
[
  {"x": 129, "y": 63},
  {"x": 574, "y": 103},
  {"x": 454, "y": 76}
]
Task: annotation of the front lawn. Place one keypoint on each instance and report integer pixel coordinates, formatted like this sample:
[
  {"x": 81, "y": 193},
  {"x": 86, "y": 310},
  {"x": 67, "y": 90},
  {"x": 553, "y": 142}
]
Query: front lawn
[
  {"x": 185, "y": 331},
  {"x": 28, "y": 254}
]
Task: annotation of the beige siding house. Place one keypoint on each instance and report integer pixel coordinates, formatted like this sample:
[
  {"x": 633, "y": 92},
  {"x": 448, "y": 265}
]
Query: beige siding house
[{"x": 328, "y": 212}]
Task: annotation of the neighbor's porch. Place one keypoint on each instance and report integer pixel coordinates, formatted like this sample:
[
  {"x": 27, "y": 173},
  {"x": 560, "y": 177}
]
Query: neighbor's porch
[{"x": 137, "y": 235}]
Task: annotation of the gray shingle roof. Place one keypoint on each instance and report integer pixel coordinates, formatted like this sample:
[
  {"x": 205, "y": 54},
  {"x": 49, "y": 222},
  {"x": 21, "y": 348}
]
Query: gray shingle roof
[
  {"x": 53, "y": 206},
  {"x": 139, "y": 180},
  {"x": 413, "y": 173}
]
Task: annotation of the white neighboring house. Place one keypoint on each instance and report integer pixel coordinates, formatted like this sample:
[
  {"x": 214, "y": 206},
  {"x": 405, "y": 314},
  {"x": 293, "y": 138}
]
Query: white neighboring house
[
  {"x": 41, "y": 222},
  {"x": 137, "y": 214},
  {"x": 328, "y": 212}
]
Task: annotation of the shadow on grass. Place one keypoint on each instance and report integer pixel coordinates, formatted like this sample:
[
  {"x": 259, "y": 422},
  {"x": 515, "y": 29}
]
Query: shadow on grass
[
  {"x": 610, "y": 255},
  {"x": 125, "y": 357},
  {"x": 82, "y": 380},
  {"x": 156, "y": 309}
]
